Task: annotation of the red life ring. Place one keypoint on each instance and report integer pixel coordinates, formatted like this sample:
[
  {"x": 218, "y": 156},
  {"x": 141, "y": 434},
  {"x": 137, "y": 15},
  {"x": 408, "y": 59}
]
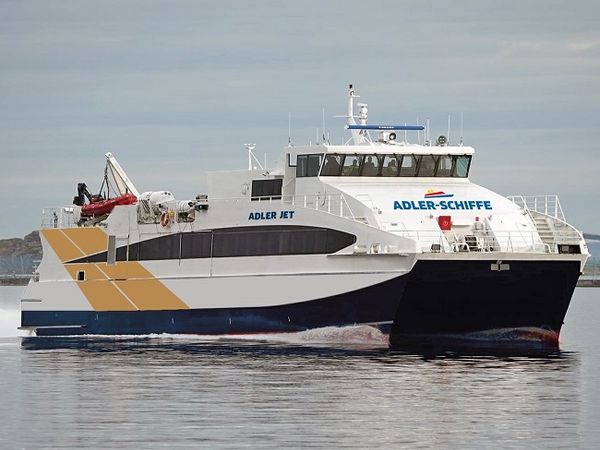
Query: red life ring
[{"x": 165, "y": 219}]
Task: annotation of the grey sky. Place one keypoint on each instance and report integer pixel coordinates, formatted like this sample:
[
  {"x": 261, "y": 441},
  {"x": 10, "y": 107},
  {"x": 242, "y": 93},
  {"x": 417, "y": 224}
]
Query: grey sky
[{"x": 175, "y": 88}]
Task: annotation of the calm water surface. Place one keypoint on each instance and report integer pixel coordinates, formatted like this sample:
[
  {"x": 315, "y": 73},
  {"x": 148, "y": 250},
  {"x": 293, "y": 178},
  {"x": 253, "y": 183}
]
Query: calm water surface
[{"x": 327, "y": 388}]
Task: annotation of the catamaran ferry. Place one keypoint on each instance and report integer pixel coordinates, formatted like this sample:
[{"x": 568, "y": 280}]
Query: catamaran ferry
[{"x": 378, "y": 232}]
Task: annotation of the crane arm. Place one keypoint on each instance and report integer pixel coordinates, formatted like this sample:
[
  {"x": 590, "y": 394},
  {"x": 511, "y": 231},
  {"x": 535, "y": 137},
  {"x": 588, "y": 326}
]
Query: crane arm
[{"x": 124, "y": 184}]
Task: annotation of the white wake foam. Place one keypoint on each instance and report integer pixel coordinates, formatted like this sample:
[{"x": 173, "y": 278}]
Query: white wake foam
[
  {"x": 10, "y": 314},
  {"x": 361, "y": 335},
  {"x": 356, "y": 336},
  {"x": 10, "y": 319}
]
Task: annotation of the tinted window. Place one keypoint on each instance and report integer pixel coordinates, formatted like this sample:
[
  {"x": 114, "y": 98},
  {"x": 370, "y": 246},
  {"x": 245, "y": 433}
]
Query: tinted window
[
  {"x": 332, "y": 166},
  {"x": 99, "y": 257},
  {"x": 351, "y": 166},
  {"x": 301, "y": 165},
  {"x": 266, "y": 188},
  {"x": 444, "y": 166},
  {"x": 122, "y": 253},
  {"x": 276, "y": 240},
  {"x": 308, "y": 165},
  {"x": 230, "y": 242},
  {"x": 461, "y": 166},
  {"x": 427, "y": 166},
  {"x": 390, "y": 166},
  {"x": 134, "y": 252},
  {"x": 408, "y": 167},
  {"x": 196, "y": 245},
  {"x": 370, "y": 166},
  {"x": 314, "y": 164},
  {"x": 165, "y": 247}
]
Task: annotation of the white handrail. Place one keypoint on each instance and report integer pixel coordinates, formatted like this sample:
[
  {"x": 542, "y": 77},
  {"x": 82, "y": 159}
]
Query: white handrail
[
  {"x": 506, "y": 241},
  {"x": 544, "y": 204}
]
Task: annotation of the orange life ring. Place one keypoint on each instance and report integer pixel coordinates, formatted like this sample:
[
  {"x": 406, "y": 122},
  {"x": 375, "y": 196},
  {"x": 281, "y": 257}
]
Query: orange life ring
[{"x": 165, "y": 219}]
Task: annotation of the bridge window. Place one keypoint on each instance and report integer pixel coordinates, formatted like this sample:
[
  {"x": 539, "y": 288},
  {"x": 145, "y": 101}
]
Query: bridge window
[
  {"x": 373, "y": 165},
  {"x": 461, "y": 166},
  {"x": 408, "y": 167},
  {"x": 333, "y": 165},
  {"x": 390, "y": 166},
  {"x": 427, "y": 166},
  {"x": 351, "y": 167},
  {"x": 308, "y": 165},
  {"x": 370, "y": 166},
  {"x": 444, "y": 167}
]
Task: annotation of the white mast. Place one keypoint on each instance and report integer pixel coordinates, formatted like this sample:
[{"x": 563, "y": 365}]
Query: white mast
[
  {"x": 356, "y": 134},
  {"x": 251, "y": 156}
]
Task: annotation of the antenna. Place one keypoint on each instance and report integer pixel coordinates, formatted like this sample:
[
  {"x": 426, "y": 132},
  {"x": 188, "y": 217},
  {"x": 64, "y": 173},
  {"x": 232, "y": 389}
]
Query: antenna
[
  {"x": 289, "y": 129},
  {"x": 461, "y": 129},
  {"x": 427, "y": 141},
  {"x": 323, "y": 125},
  {"x": 418, "y": 132},
  {"x": 448, "y": 130}
]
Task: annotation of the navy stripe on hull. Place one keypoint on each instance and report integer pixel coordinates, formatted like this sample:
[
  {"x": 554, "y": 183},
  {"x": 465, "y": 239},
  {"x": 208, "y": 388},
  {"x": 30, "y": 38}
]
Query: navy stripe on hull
[{"x": 374, "y": 304}]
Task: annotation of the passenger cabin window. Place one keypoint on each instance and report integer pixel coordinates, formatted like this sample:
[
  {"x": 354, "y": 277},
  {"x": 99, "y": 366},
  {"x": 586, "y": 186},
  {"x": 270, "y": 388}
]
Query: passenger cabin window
[
  {"x": 232, "y": 242},
  {"x": 308, "y": 165},
  {"x": 375, "y": 165},
  {"x": 266, "y": 189}
]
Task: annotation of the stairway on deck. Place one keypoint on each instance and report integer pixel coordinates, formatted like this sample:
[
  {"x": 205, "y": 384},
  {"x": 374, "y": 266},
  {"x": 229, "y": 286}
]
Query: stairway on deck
[
  {"x": 543, "y": 228},
  {"x": 553, "y": 236}
]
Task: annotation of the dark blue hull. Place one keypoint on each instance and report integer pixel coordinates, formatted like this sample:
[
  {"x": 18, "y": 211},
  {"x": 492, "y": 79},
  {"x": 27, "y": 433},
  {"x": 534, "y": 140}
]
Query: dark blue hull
[{"x": 436, "y": 298}]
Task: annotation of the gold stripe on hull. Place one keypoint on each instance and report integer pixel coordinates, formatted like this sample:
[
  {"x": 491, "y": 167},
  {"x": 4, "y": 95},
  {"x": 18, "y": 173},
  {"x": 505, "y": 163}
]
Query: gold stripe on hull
[
  {"x": 64, "y": 248},
  {"x": 124, "y": 286},
  {"x": 99, "y": 291}
]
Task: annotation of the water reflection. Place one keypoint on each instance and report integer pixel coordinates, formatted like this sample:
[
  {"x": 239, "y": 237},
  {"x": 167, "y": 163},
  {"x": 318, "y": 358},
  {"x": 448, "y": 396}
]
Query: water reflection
[
  {"x": 257, "y": 347},
  {"x": 273, "y": 393}
]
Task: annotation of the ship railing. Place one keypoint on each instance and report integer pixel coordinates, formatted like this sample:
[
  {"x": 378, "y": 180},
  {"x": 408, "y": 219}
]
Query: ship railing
[
  {"x": 58, "y": 217},
  {"x": 486, "y": 241},
  {"x": 544, "y": 204}
]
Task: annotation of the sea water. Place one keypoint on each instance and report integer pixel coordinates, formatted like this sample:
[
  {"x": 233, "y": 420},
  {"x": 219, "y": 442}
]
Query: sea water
[{"x": 317, "y": 389}]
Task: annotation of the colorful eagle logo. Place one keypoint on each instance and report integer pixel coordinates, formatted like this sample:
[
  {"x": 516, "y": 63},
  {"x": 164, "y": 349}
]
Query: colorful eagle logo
[{"x": 437, "y": 194}]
